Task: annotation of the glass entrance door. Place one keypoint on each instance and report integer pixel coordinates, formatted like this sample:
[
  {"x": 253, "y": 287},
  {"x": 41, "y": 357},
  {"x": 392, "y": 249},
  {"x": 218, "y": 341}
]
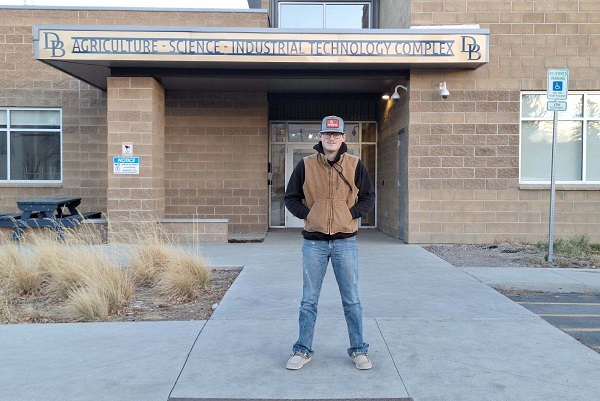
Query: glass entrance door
[{"x": 295, "y": 153}]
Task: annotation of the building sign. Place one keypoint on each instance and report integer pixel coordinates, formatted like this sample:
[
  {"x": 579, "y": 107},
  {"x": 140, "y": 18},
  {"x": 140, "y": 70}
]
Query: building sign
[{"x": 264, "y": 46}]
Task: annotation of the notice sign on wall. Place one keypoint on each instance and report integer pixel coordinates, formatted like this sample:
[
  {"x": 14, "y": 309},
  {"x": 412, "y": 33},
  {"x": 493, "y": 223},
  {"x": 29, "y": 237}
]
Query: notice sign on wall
[{"x": 126, "y": 165}]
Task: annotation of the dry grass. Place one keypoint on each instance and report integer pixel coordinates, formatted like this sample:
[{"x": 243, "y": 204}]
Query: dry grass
[
  {"x": 147, "y": 263},
  {"x": 89, "y": 304},
  {"x": 103, "y": 290},
  {"x": 17, "y": 274},
  {"x": 183, "y": 277},
  {"x": 92, "y": 283},
  {"x": 176, "y": 275},
  {"x": 5, "y": 306}
]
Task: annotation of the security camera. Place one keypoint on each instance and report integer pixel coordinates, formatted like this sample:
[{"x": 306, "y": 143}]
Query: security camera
[
  {"x": 396, "y": 95},
  {"x": 443, "y": 91}
]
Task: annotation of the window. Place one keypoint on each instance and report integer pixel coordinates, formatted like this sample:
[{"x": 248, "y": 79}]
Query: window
[
  {"x": 30, "y": 145},
  {"x": 578, "y": 139},
  {"x": 329, "y": 14}
]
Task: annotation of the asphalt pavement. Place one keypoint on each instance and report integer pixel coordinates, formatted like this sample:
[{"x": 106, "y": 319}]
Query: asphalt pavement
[
  {"x": 576, "y": 314},
  {"x": 436, "y": 332}
]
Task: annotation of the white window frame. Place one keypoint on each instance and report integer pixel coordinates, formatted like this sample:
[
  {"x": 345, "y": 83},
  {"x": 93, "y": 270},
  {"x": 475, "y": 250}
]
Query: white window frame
[
  {"x": 8, "y": 130},
  {"x": 324, "y": 4},
  {"x": 584, "y": 120}
]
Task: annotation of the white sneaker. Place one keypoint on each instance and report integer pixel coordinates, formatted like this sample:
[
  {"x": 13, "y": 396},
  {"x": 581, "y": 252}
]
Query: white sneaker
[
  {"x": 297, "y": 360},
  {"x": 362, "y": 361}
]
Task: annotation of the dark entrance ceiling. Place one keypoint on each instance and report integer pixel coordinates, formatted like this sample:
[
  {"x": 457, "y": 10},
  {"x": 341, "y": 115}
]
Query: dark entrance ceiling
[{"x": 231, "y": 78}]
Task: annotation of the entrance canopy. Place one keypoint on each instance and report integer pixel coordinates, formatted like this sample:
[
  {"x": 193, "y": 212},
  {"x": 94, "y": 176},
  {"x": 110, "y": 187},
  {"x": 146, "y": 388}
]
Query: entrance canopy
[{"x": 270, "y": 60}]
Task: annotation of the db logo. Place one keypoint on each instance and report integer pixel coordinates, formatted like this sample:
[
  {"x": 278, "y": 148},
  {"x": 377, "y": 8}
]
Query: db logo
[
  {"x": 470, "y": 46},
  {"x": 52, "y": 42}
]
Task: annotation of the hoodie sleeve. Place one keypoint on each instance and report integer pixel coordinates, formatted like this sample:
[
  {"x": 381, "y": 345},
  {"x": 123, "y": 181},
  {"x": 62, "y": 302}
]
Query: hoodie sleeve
[
  {"x": 366, "y": 192},
  {"x": 294, "y": 195}
]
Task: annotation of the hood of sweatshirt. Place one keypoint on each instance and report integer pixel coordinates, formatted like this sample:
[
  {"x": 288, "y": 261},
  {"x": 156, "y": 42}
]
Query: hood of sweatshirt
[{"x": 343, "y": 149}]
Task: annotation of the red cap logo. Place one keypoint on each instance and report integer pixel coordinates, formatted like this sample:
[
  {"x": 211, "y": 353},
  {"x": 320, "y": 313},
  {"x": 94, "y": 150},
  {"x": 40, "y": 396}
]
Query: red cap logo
[{"x": 332, "y": 123}]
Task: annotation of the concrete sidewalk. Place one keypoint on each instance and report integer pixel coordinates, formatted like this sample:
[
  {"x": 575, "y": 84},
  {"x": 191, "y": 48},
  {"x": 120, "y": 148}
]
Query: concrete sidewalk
[{"x": 436, "y": 333}]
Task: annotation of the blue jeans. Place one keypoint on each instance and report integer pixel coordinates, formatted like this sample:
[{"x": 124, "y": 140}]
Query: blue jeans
[{"x": 344, "y": 259}]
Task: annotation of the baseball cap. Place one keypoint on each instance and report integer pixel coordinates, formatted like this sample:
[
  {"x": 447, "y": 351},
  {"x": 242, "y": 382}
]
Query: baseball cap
[{"x": 332, "y": 124}]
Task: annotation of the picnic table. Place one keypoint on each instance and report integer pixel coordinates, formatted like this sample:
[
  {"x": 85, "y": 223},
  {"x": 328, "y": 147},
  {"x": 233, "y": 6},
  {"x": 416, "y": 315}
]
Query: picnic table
[{"x": 54, "y": 213}]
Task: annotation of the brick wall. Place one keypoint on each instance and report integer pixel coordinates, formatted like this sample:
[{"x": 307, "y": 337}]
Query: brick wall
[
  {"x": 26, "y": 82},
  {"x": 216, "y": 158},
  {"x": 136, "y": 113},
  {"x": 464, "y": 151}
]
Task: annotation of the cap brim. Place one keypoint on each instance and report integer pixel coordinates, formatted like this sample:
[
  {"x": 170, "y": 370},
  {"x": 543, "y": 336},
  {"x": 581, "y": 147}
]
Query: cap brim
[{"x": 331, "y": 132}]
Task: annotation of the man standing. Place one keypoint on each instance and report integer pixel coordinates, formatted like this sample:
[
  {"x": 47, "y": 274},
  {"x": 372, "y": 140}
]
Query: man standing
[{"x": 330, "y": 190}]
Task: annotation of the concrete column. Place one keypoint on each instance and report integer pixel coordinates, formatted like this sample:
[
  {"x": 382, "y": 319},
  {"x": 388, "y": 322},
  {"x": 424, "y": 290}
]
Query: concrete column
[{"x": 136, "y": 114}]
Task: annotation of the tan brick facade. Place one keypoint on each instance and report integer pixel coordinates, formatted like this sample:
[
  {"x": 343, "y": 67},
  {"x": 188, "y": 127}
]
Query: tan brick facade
[
  {"x": 216, "y": 158},
  {"x": 464, "y": 151},
  {"x": 214, "y": 155},
  {"x": 204, "y": 154},
  {"x": 136, "y": 114}
]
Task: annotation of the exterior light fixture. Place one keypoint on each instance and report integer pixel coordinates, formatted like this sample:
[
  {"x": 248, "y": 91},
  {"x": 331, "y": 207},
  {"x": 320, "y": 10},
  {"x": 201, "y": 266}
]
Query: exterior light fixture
[{"x": 386, "y": 96}]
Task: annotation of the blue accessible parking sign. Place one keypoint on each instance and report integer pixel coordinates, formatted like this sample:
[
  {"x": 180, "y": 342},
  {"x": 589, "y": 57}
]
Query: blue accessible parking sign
[{"x": 558, "y": 83}]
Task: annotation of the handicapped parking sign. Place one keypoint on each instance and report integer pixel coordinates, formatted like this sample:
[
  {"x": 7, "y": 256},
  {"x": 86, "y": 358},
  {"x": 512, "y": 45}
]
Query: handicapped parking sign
[{"x": 558, "y": 82}]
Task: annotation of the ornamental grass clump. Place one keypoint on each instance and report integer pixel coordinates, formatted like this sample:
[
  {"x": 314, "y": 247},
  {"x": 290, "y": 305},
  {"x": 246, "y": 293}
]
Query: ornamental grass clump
[
  {"x": 183, "y": 277},
  {"x": 89, "y": 304},
  {"x": 17, "y": 274},
  {"x": 103, "y": 292},
  {"x": 92, "y": 283},
  {"x": 175, "y": 274},
  {"x": 148, "y": 261},
  {"x": 66, "y": 268}
]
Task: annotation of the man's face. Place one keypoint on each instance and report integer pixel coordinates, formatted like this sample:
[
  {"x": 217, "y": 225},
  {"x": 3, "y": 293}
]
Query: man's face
[{"x": 331, "y": 144}]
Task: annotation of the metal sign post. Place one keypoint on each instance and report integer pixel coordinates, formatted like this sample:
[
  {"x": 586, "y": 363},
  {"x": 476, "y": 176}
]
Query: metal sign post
[
  {"x": 552, "y": 190},
  {"x": 558, "y": 84}
]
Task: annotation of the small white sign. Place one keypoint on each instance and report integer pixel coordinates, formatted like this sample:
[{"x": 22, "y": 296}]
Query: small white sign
[
  {"x": 126, "y": 165},
  {"x": 558, "y": 84},
  {"x": 127, "y": 148},
  {"x": 557, "y": 106}
]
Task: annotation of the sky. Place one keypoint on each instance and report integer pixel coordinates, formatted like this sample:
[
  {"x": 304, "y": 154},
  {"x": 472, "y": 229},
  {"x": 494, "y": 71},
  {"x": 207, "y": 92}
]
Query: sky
[{"x": 133, "y": 3}]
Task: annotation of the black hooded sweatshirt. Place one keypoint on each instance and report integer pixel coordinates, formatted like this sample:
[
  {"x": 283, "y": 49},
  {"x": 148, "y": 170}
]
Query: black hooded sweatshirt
[{"x": 294, "y": 195}]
